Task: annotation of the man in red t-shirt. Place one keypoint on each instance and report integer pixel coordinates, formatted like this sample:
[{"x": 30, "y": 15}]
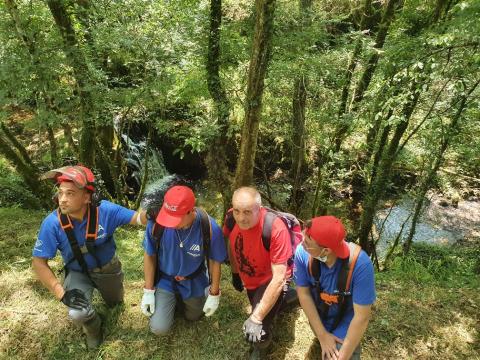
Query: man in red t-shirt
[{"x": 264, "y": 273}]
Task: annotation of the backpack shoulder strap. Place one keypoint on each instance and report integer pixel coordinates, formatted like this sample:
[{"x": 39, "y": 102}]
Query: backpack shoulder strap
[
  {"x": 314, "y": 268},
  {"x": 344, "y": 281},
  {"x": 206, "y": 229},
  {"x": 354, "y": 253},
  {"x": 92, "y": 223},
  {"x": 206, "y": 236},
  {"x": 270, "y": 217},
  {"x": 67, "y": 226},
  {"x": 157, "y": 233},
  {"x": 229, "y": 220}
]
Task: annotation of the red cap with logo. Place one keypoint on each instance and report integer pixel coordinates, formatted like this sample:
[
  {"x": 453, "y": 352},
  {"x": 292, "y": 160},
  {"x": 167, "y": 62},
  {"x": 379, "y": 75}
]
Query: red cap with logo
[
  {"x": 80, "y": 175},
  {"x": 328, "y": 232},
  {"x": 178, "y": 201}
]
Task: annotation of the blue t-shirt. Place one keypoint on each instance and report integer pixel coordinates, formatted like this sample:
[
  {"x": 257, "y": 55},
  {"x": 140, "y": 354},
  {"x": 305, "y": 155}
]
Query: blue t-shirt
[
  {"x": 52, "y": 237},
  {"x": 183, "y": 261},
  {"x": 362, "y": 286}
]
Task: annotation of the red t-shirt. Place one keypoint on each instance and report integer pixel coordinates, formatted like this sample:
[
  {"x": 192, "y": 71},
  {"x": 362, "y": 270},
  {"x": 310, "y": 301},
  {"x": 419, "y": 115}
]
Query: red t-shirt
[{"x": 253, "y": 261}]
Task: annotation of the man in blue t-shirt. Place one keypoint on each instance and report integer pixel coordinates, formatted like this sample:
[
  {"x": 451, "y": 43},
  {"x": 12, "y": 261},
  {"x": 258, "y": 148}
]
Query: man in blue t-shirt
[
  {"x": 177, "y": 257},
  {"x": 100, "y": 267},
  {"x": 325, "y": 240}
]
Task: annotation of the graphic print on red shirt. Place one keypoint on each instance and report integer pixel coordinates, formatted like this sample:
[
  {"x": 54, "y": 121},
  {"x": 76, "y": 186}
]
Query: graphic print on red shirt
[{"x": 253, "y": 261}]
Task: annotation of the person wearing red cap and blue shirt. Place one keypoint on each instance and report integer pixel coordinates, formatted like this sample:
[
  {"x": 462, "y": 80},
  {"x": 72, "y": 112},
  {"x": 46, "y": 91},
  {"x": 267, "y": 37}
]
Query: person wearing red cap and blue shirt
[
  {"x": 181, "y": 264},
  {"x": 325, "y": 240},
  {"x": 100, "y": 267}
]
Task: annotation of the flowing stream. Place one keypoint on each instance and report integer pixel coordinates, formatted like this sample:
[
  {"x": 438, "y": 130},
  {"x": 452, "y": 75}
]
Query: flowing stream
[{"x": 440, "y": 223}]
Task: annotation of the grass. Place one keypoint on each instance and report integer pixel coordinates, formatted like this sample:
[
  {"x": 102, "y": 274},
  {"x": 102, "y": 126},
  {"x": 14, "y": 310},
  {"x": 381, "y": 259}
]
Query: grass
[{"x": 427, "y": 308}]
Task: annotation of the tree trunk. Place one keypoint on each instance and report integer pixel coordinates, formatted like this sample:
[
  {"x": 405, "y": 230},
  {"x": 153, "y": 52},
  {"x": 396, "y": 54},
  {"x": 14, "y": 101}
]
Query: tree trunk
[
  {"x": 437, "y": 162},
  {"x": 367, "y": 8},
  {"x": 53, "y": 146},
  {"x": 217, "y": 155},
  {"x": 17, "y": 145},
  {"x": 377, "y": 187},
  {"x": 298, "y": 140},
  {"x": 367, "y": 75},
  {"x": 67, "y": 132},
  {"x": 28, "y": 171},
  {"x": 298, "y": 121},
  {"x": 256, "y": 76},
  {"x": 80, "y": 71}
]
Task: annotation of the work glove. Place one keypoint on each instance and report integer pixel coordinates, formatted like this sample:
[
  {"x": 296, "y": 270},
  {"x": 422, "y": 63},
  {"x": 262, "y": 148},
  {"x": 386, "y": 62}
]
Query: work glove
[
  {"x": 237, "y": 282},
  {"x": 75, "y": 299},
  {"x": 211, "y": 304},
  {"x": 148, "y": 302},
  {"x": 253, "y": 331}
]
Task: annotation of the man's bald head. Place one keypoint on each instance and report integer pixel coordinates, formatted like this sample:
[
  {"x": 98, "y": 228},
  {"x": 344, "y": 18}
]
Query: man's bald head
[{"x": 246, "y": 202}]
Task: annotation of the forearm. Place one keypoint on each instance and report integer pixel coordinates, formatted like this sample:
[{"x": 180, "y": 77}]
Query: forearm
[
  {"x": 139, "y": 218},
  {"x": 311, "y": 312},
  {"x": 231, "y": 258},
  {"x": 46, "y": 276},
  {"x": 269, "y": 298},
  {"x": 149, "y": 268},
  {"x": 215, "y": 273},
  {"x": 355, "y": 332}
]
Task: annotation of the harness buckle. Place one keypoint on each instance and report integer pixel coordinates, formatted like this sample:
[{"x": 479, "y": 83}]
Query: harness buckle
[
  {"x": 329, "y": 299},
  {"x": 180, "y": 278}
]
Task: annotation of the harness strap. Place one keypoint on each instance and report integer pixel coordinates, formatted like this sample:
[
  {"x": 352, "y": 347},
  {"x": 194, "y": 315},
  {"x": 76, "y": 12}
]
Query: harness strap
[
  {"x": 90, "y": 237},
  {"x": 343, "y": 284},
  {"x": 77, "y": 253}
]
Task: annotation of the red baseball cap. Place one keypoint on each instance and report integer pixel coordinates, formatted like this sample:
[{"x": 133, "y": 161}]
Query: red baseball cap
[
  {"x": 178, "y": 201},
  {"x": 328, "y": 232},
  {"x": 80, "y": 175}
]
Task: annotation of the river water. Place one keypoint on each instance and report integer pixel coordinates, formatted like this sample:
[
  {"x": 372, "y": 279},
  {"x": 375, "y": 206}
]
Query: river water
[{"x": 439, "y": 224}]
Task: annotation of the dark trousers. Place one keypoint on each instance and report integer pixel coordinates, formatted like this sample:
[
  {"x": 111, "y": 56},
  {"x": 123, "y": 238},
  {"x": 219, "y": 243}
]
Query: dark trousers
[{"x": 255, "y": 295}]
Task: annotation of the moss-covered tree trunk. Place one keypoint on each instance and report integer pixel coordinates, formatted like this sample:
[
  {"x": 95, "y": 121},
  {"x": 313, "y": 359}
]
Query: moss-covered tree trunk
[
  {"x": 377, "y": 187},
  {"x": 299, "y": 102},
  {"x": 264, "y": 12},
  {"x": 217, "y": 163},
  {"x": 17, "y": 155},
  {"x": 77, "y": 59}
]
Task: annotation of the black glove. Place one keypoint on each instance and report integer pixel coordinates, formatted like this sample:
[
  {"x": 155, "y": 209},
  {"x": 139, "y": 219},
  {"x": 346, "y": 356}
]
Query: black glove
[
  {"x": 237, "y": 282},
  {"x": 75, "y": 299},
  {"x": 253, "y": 331}
]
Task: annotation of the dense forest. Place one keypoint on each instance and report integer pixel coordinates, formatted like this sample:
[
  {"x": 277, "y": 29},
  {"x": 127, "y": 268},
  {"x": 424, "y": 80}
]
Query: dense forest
[
  {"x": 327, "y": 106},
  {"x": 319, "y": 103}
]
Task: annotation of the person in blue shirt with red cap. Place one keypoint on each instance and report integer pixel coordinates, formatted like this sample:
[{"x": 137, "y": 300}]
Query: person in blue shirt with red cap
[
  {"x": 89, "y": 264},
  {"x": 175, "y": 264},
  {"x": 338, "y": 330}
]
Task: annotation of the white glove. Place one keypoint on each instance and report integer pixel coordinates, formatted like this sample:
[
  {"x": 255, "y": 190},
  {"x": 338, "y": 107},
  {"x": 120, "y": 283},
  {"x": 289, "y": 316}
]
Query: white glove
[
  {"x": 211, "y": 304},
  {"x": 148, "y": 302}
]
